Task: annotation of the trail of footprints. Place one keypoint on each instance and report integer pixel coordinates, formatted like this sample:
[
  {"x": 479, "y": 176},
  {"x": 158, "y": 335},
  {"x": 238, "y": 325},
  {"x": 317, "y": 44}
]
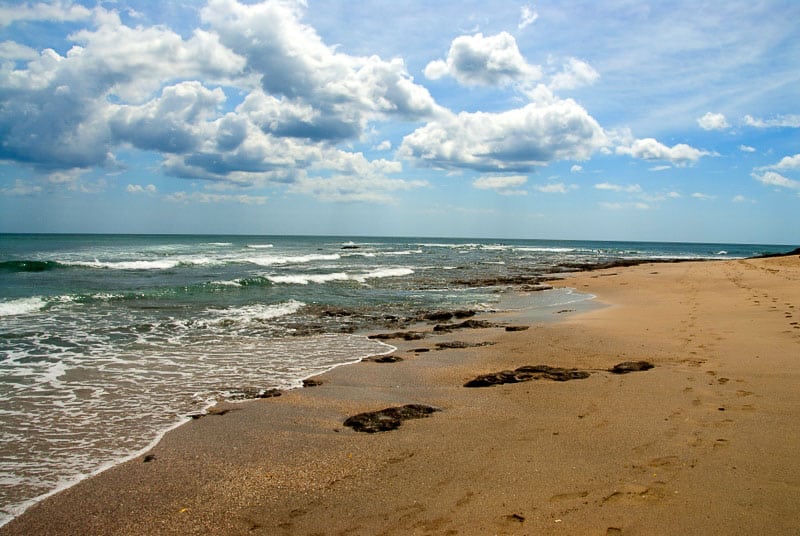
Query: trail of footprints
[
  {"x": 712, "y": 400},
  {"x": 774, "y": 304}
]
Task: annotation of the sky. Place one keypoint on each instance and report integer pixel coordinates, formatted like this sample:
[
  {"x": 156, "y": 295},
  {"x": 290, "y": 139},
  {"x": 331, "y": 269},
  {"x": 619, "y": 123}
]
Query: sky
[{"x": 612, "y": 120}]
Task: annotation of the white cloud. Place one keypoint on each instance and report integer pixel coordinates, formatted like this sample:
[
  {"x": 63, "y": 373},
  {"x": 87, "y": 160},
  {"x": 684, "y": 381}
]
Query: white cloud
[
  {"x": 207, "y": 198},
  {"x": 9, "y": 50},
  {"x": 21, "y": 188},
  {"x": 786, "y": 163},
  {"x": 354, "y": 188},
  {"x": 713, "y": 121},
  {"x": 133, "y": 63},
  {"x": 781, "y": 121},
  {"x": 575, "y": 73},
  {"x": 703, "y": 197},
  {"x": 576, "y": 168},
  {"x": 175, "y": 122},
  {"x": 632, "y": 188},
  {"x": 772, "y": 178},
  {"x": 489, "y": 61},
  {"x": 635, "y": 205},
  {"x": 555, "y": 188},
  {"x": 516, "y": 140},
  {"x": 499, "y": 182},
  {"x": 660, "y": 168},
  {"x": 139, "y": 189},
  {"x": 350, "y": 177},
  {"x": 650, "y": 149},
  {"x": 295, "y": 67},
  {"x": 747, "y": 149},
  {"x": 63, "y": 11},
  {"x": 527, "y": 16},
  {"x": 385, "y": 145},
  {"x": 742, "y": 199},
  {"x": 57, "y": 109},
  {"x": 150, "y": 88}
]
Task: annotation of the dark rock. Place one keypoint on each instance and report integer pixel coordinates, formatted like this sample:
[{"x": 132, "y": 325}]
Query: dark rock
[
  {"x": 459, "y": 345},
  {"x": 516, "y": 328},
  {"x": 557, "y": 374},
  {"x": 387, "y": 419},
  {"x": 527, "y": 373},
  {"x": 494, "y": 378},
  {"x": 438, "y": 316},
  {"x": 213, "y": 412},
  {"x": 536, "y": 288},
  {"x": 311, "y": 382},
  {"x": 466, "y": 324},
  {"x": 405, "y": 335},
  {"x": 614, "y": 263},
  {"x": 795, "y": 251},
  {"x": 421, "y": 350},
  {"x": 391, "y": 358},
  {"x": 630, "y": 366},
  {"x": 270, "y": 393},
  {"x": 464, "y": 314},
  {"x": 149, "y": 458},
  {"x": 511, "y": 280},
  {"x": 336, "y": 312}
]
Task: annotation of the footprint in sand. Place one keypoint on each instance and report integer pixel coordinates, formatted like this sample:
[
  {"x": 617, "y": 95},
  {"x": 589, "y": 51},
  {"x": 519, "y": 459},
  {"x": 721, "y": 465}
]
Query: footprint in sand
[
  {"x": 628, "y": 493},
  {"x": 569, "y": 496}
]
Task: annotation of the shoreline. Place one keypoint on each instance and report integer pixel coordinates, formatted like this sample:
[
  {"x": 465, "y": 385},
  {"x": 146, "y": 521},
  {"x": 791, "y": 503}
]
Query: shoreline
[
  {"x": 212, "y": 470},
  {"x": 537, "y": 313}
]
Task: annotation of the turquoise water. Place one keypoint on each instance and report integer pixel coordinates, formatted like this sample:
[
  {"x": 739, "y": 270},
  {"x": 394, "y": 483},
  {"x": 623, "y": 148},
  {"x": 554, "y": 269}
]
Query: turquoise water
[{"x": 106, "y": 341}]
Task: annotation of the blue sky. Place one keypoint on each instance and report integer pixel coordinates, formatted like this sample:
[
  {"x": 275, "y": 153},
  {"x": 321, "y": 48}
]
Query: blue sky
[{"x": 619, "y": 120}]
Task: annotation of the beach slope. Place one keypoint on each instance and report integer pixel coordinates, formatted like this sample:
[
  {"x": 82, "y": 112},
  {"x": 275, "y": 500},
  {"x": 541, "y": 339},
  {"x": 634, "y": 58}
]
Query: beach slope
[{"x": 705, "y": 442}]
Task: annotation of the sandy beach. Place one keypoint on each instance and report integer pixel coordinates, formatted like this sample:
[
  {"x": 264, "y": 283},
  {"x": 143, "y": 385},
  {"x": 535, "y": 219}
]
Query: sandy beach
[{"x": 705, "y": 442}]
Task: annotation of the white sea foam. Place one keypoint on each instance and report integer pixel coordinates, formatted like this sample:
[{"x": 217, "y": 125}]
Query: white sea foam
[
  {"x": 233, "y": 283},
  {"x": 298, "y": 259},
  {"x": 22, "y": 306},
  {"x": 405, "y": 252},
  {"x": 260, "y": 246},
  {"x": 154, "y": 389},
  {"x": 450, "y": 246},
  {"x": 155, "y": 264},
  {"x": 384, "y": 272},
  {"x": 249, "y": 313},
  {"x": 545, "y": 249},
  {"x": 163, "y": 264},
  {"x": 305, "y": 279},
  {"x": 368, "y": 254}
]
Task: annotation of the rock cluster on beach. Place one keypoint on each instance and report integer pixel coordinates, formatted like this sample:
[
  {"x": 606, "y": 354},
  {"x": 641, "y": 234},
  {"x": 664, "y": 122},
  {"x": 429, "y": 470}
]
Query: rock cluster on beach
[
  {"x": 558, "y": 374},
  {"x": 527, "y": 373},
  {"x": 630, "y": 366},
  {"x": 387, "y": 419}
]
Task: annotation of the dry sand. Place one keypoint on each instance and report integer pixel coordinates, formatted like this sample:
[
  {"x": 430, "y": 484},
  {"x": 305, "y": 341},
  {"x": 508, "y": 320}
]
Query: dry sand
[{"x": 704, "y": 443}]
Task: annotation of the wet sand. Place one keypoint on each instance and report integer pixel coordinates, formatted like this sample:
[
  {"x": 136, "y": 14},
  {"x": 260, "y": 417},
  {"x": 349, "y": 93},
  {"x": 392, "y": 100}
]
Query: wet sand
[{"x": 705, "y": 442}]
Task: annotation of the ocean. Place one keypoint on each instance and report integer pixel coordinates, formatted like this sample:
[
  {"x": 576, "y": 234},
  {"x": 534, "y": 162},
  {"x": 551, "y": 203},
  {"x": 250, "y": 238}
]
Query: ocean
[{"x": 108, "y": 341}]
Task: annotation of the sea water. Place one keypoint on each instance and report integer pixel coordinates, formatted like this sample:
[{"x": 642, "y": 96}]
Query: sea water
[{"x": 107, "y": 341}]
